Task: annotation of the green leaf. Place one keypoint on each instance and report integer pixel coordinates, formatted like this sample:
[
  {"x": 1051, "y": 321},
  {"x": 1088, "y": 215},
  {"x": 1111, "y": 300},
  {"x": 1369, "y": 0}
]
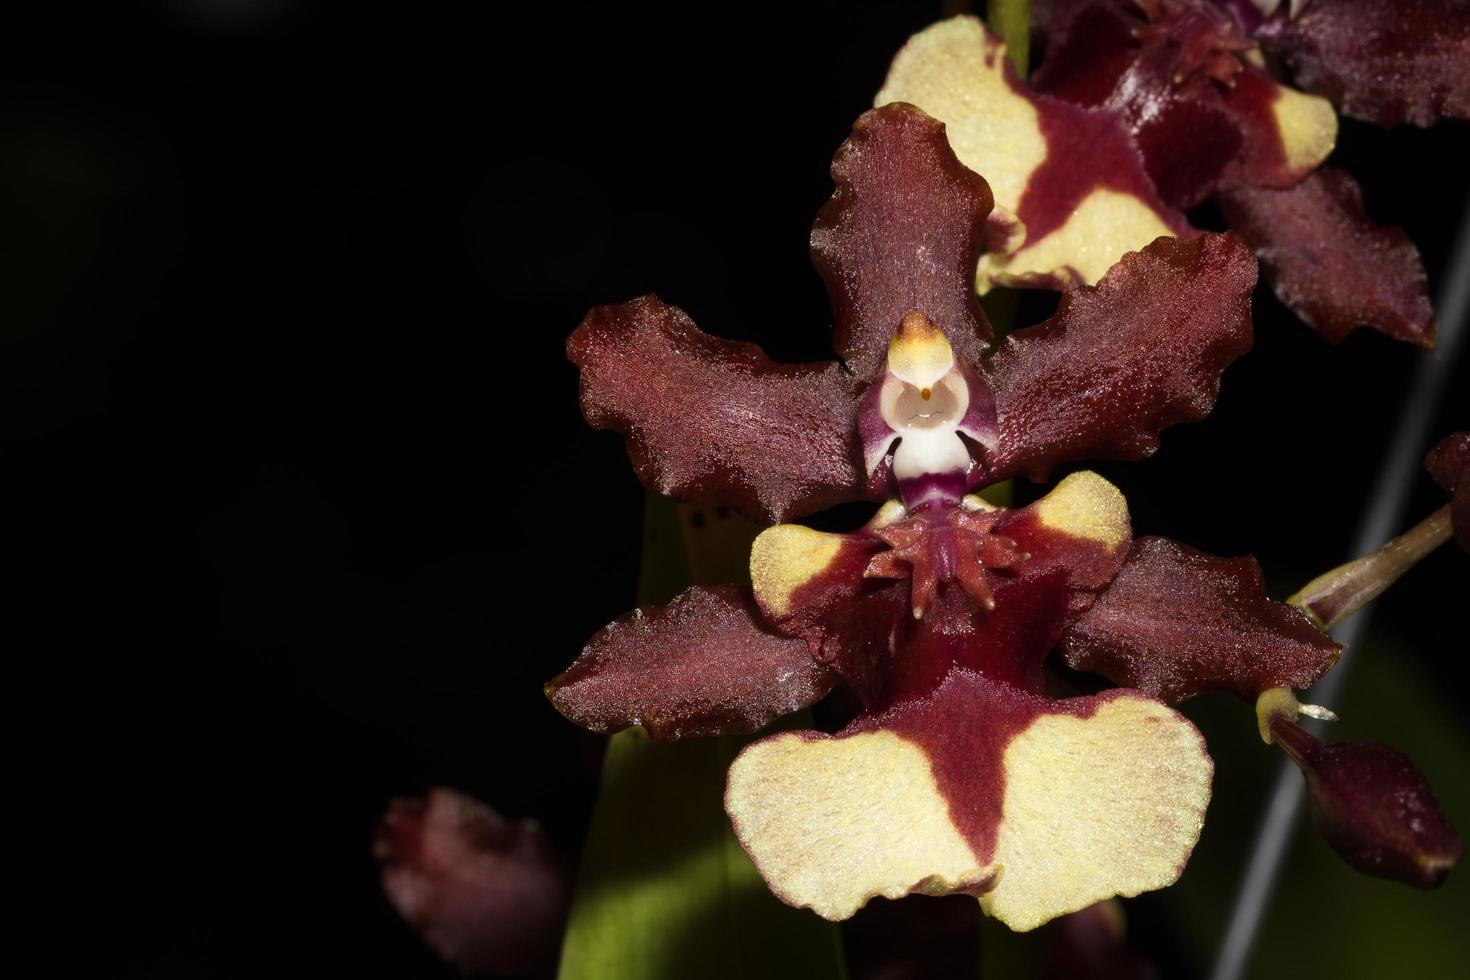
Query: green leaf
[{"x": 1011, "y": 19}]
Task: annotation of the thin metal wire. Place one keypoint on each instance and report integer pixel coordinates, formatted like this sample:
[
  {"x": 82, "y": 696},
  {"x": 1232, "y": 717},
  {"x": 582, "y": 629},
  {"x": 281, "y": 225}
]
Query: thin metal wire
[{"x": 1382, "y": 518}]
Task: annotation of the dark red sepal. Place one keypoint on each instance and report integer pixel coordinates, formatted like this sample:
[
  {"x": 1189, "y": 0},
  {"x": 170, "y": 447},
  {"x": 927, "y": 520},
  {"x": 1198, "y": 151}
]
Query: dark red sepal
[
  {"x": 1374, "y": 807},
  {"x": 715, "y": 421},
  {"x": 1176, "y": 621},
  {"x": 902, "y": 232},
  {"x": 1118, "y": 362},
  {"x": 702, "y": 665},
  {"x": 1385, "y": 62},
  {"x": 1449, "y": 463},
  {"x": 486, "y": 894},
  {"x": 1329, "y": 263}
]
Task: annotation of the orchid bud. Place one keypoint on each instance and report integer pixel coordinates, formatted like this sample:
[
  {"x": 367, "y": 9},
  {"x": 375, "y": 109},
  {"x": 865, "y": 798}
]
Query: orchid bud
[{"x": 1373, "y": 806}]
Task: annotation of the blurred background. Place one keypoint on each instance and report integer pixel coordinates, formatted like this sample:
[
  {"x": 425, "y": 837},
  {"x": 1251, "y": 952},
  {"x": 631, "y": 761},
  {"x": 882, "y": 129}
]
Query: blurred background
[{"x": 304, "y": 511}]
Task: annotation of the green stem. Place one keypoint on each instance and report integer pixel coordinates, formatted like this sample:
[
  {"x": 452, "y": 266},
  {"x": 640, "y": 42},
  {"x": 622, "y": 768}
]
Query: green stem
[
  {"x": 1334, "y": 596},
  {"x": 1011, "y": 19}
]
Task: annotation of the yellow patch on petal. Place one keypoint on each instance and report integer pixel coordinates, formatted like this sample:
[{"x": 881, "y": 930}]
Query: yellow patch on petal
[
  {"x": 955, "y": 71},
  {"x": 1085, "y": 505},
  {"x": 833, "y": 822},
  {"x": 786, "y": 557},
  {"x": 1105, "y": 225},
  {"x": 1096, "y": 807},
  {"x": 1307, "y": 125},
  {"x": 890, "y": 512},
  {"x": 919, "y": 352}
]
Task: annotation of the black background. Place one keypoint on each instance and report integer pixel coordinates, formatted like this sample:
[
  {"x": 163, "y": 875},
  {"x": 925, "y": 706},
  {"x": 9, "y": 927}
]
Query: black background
[{"x": 301, "y": 502}]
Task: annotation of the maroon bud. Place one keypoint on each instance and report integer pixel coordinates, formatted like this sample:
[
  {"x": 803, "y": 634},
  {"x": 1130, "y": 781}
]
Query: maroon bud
[
  {"x": 1375, "y": 809},
  {"x": 488, "y": 895},
  {"x": 1449, "y": 464}
]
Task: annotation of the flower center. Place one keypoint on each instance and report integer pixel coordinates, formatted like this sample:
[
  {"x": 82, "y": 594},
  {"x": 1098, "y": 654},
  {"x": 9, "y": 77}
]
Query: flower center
[
  {"x": 946, "y": 544},
  {"x": 1203, "y": 39}
]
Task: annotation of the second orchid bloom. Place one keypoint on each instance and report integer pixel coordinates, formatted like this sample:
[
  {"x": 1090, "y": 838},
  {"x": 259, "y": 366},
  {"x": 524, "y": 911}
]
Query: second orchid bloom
[{"x": 961, "y": 773}]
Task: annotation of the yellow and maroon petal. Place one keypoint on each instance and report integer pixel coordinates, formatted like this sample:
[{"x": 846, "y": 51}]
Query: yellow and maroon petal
[
  {"x": 1329, "y": 263},
  {"x": 1387, "y": 63},
  {"x": 1202, "y": 112},
  {"x": 1117, "y": 363},
  {"x": 717, "y": 421},
  {"x": 1176, "y": 621},
  {"x": 1038, "y": 807},
  {"x": 1070, "y": 176},
  {"x": 702, "y": 665},
  {"x": 1081, "y": 527},
  {"x": 1449, "y": 463},
  {"x": 902, "y": 233}
]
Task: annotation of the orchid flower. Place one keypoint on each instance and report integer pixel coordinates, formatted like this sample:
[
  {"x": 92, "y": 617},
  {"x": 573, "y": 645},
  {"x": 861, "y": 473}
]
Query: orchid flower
[
  {"x": 961, "y": 773},
  {"x": 1184, "y": 98}
]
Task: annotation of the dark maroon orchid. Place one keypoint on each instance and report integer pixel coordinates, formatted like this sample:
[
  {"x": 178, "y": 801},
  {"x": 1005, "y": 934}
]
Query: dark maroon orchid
[
  {"x": 1185, "y": 83},
  {"x": 960, "y": 774},
  {"x": 488, "y": 895}
]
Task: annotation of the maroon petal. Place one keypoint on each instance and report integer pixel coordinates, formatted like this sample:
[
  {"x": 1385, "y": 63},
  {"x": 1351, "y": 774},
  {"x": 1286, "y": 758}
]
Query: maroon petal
[
  {"x": 1119, "y": 362},
  {"x": 702, "y": 665},
  {"x": 716, "y": 421},
  {"x": 1177, "y": 621},
  {"x": 1374, "y": 807},
  {"x": 488, "y": 895},
  {"x": 902, "y": 232},
  {"x": 1388, "y": 63},
  {"x": 1332, "y": 266},
  {"x": 1449, "y": 464}
]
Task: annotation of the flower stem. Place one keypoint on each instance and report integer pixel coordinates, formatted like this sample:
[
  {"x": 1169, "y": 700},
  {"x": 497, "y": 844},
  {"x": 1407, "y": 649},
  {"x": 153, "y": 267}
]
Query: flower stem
[
  {"x": 1333, "y": 596},
  {"x": 1011, "y": 19}
]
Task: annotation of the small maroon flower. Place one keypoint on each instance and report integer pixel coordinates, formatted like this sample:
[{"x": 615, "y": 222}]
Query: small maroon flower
[
  {"x": 488, "y": 895},
  {"x": 1188, "y": 106},
  {"x": 960, "y": 775}
]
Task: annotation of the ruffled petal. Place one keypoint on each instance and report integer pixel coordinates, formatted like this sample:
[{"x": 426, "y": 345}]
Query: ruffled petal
[
  {"x": 702, "y": 665},
  {"x": 1070, "y": 176},
  {"x": 1386, "y": 63},
  {"x": 1080, "y": 528},
  {"x": 902, "y": 232},
  {"x": 1332, "y": 266},
  {"x": 1176, "y": 622},
  {"x": 1120, "y": 362},
  {"x": 1039, "y": 807},
  {"x": 1203, "y": 114},
  {"x": 716, "y": 421}
]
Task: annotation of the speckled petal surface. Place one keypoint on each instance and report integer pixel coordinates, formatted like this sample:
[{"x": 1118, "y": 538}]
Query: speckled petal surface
[
  {"x": 1329, "y": 263},
  {"x": 1038, "y": 807},
  {"x": 1081, "y": 528},
  {"x": 1118, "y": 363},
  {"x": 1071, "y": 176},
  {"x": 1385, "y": 62},
  {"x": 715, "y": 421},
  {"x": 1176, "y": 621},
  {"x": 902, "y": 233},
  {"x": 702, "y": 665}
]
